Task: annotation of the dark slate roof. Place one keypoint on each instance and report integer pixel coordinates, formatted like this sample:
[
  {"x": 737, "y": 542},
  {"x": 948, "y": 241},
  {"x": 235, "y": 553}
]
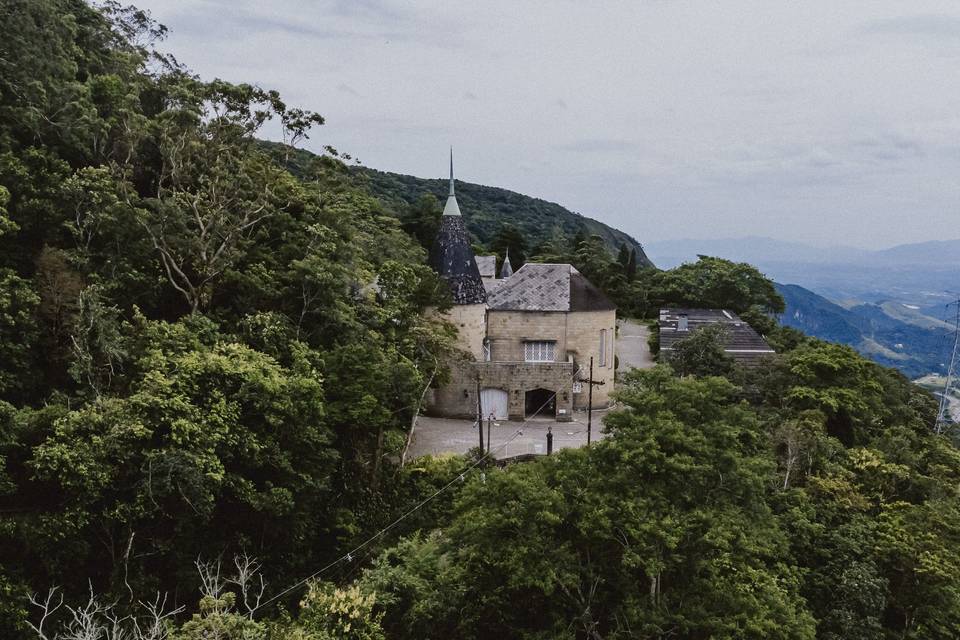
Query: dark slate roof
[
  {"x": 452, "y": 258},
  {"x": 547, "y": 287},
  {"x": 742, "y": 343},
  {"x": 487, "y": 265}
]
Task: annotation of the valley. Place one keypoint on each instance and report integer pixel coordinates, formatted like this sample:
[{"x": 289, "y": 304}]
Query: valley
[{"x": 892, "y": 305}]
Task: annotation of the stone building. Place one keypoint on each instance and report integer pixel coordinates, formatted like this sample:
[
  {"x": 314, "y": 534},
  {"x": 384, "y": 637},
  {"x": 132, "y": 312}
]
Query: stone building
[{"x": 528, "y": 335}]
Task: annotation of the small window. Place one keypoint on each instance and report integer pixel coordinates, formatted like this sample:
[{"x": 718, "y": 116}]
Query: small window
[
  {"x": 603, "y": 347},
  {"x": 611, "y": 361},
  {"x": 486, "y": 349},
  {"x": 538, "y": 351}
]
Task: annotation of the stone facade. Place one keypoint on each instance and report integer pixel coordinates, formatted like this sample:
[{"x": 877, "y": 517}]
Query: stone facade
[
  {"x": 526, "y": 338},
  {"x": 470, "y": 321},
  {"x": 576, "y": 334},
  {"x": 458, "y": 398}
]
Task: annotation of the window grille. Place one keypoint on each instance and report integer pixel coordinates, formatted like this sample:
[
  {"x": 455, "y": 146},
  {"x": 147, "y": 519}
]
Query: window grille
[{"x": 538, "y": 351}]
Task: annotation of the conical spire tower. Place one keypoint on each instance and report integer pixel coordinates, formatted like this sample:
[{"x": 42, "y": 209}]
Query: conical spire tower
[
  {"x": 451, "y": 255},
  {"x": 451, "y": 208},
  {"x": 506, "y": 269}
]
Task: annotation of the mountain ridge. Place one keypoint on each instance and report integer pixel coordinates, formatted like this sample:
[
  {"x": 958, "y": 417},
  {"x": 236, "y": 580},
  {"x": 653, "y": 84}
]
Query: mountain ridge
[
  {"x": 760, "y": 249},
  {"x": 484, "y": 209},
  {"x": 904, "y": 344}
]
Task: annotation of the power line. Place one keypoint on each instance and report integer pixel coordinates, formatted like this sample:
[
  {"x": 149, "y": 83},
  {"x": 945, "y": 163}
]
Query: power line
[{"x": 349, "y": 556}]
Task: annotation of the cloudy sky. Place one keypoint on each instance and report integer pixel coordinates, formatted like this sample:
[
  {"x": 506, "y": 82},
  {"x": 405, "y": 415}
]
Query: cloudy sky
[{"x": 824, "y": 122}]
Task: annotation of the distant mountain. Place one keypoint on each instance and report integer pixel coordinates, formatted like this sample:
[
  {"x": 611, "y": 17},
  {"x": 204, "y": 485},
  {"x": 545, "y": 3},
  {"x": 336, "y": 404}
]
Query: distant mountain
[
  {"x": 935, "y": 252},
  {"x": 759, "y": 251},
  {"x": 918, "y": 274},
  {"x": 891, "y": 334},
  {"x": 753, "y": 249},
  {"x": 487, "y": 209}
]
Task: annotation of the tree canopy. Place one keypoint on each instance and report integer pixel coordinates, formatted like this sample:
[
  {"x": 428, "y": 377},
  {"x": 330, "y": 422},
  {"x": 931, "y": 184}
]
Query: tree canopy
[{"x": 211, "y": 349}]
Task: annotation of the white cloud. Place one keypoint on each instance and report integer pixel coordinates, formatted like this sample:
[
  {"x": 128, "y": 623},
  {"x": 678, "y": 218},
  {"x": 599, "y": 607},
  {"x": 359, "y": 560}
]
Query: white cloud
[{"x": 676, "y": 118}]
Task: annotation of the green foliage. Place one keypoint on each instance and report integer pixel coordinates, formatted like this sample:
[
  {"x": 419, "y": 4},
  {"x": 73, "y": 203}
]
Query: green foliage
[
  {"x": 715, "y": 283},
  {"x": 701, "y": 353},
  {"x": 609, "y": 542},
  {"x": 329, "y": 613},
  {"x": 422, "y": 219},
  {"x": 200, "y": 352},
  {"x": 209, "y": 345},
  {"x": 487, "y": 211},
  {"x": 18, "y": 332},
  {"x": 212, "y": 444},
  {"x": 216, "y": 620},
  {"x": 510, "y": 241}
]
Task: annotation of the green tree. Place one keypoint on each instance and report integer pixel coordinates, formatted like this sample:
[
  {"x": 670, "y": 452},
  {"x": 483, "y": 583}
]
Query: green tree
[
  {"x": 331, "y": 613},
  {"x": 422, "y": 219},
  {"x": 510, "y": 239},
  {"x": 716, "y": 283},
  {"x": 668, "y": 510},
  {"x": 216, "y": 444},
  {"x": 702, "y": 353}
]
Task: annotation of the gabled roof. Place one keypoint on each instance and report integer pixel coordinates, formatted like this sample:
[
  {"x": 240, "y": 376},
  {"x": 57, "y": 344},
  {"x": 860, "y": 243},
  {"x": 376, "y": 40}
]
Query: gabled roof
[
  {"x": 547, "y": 287},
  {"x": 487, "y": 266}
]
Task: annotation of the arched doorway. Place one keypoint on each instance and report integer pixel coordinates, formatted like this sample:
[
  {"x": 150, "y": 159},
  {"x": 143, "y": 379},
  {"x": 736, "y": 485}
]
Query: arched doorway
[
  {"x": 540, "y": 402},
  {"x": 494, "y": 401}
]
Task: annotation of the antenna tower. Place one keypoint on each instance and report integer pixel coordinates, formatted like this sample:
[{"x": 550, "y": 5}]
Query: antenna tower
[{"x": 950, "y": 387}]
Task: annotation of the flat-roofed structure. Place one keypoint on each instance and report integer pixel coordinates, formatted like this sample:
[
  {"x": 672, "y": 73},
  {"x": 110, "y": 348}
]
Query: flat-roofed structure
[{"x": 741, "y": 341}]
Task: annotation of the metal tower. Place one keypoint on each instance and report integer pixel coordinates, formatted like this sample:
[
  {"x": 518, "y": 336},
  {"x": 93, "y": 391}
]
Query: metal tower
[{"x": 951, "y": 386}]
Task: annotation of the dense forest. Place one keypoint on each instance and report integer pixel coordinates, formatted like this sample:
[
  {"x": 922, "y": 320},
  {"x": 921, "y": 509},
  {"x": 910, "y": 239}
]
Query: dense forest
[{"x": 211, "y": 351}]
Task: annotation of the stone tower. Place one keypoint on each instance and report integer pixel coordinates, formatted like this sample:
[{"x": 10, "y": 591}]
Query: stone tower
[{"x": 452, "y": 258}]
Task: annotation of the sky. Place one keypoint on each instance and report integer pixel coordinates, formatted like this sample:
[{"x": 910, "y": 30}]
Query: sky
[{"x": 819, "y": 122}]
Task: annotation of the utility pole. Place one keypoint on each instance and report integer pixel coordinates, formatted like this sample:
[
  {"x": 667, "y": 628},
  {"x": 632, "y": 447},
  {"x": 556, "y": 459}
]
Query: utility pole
[
  {"x": 549, "y": 439},
  {"x": 944, "y": 418},
  {"x": 479, "y": 415},
  {"x": 489, "y": 423},
  {"x": 591, "y": 382}
]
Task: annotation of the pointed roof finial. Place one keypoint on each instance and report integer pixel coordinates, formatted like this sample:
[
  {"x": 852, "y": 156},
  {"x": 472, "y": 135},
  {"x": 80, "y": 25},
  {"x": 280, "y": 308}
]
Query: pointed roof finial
[
  {"x": 451, "y": 208},
  {"x": 506, "y": 269},
  {"x": 451, "y": 169}
]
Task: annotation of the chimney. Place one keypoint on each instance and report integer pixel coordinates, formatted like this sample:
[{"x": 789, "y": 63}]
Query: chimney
[{"x": 682, "y": 324}]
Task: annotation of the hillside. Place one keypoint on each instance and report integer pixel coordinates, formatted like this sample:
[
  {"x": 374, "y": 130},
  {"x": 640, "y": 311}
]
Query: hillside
[
  {"x": 889, "y": 333},
  {"x": 487, "y": 209},
  {"x": 211, "y": 371}
]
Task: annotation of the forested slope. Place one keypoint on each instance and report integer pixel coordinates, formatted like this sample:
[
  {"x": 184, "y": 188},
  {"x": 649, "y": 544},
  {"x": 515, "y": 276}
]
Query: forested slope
[
  {"x": 913, "y": 349},
  {"x": 208, "y": 366},
  {"x": 492, "y": 214},
  {"x": 487, "y": 209}
]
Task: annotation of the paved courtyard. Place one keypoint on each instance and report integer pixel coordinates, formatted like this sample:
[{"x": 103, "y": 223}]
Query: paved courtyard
[
  {"x": 632, "y": 348},
  {"x": 446, "y": 435}
]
